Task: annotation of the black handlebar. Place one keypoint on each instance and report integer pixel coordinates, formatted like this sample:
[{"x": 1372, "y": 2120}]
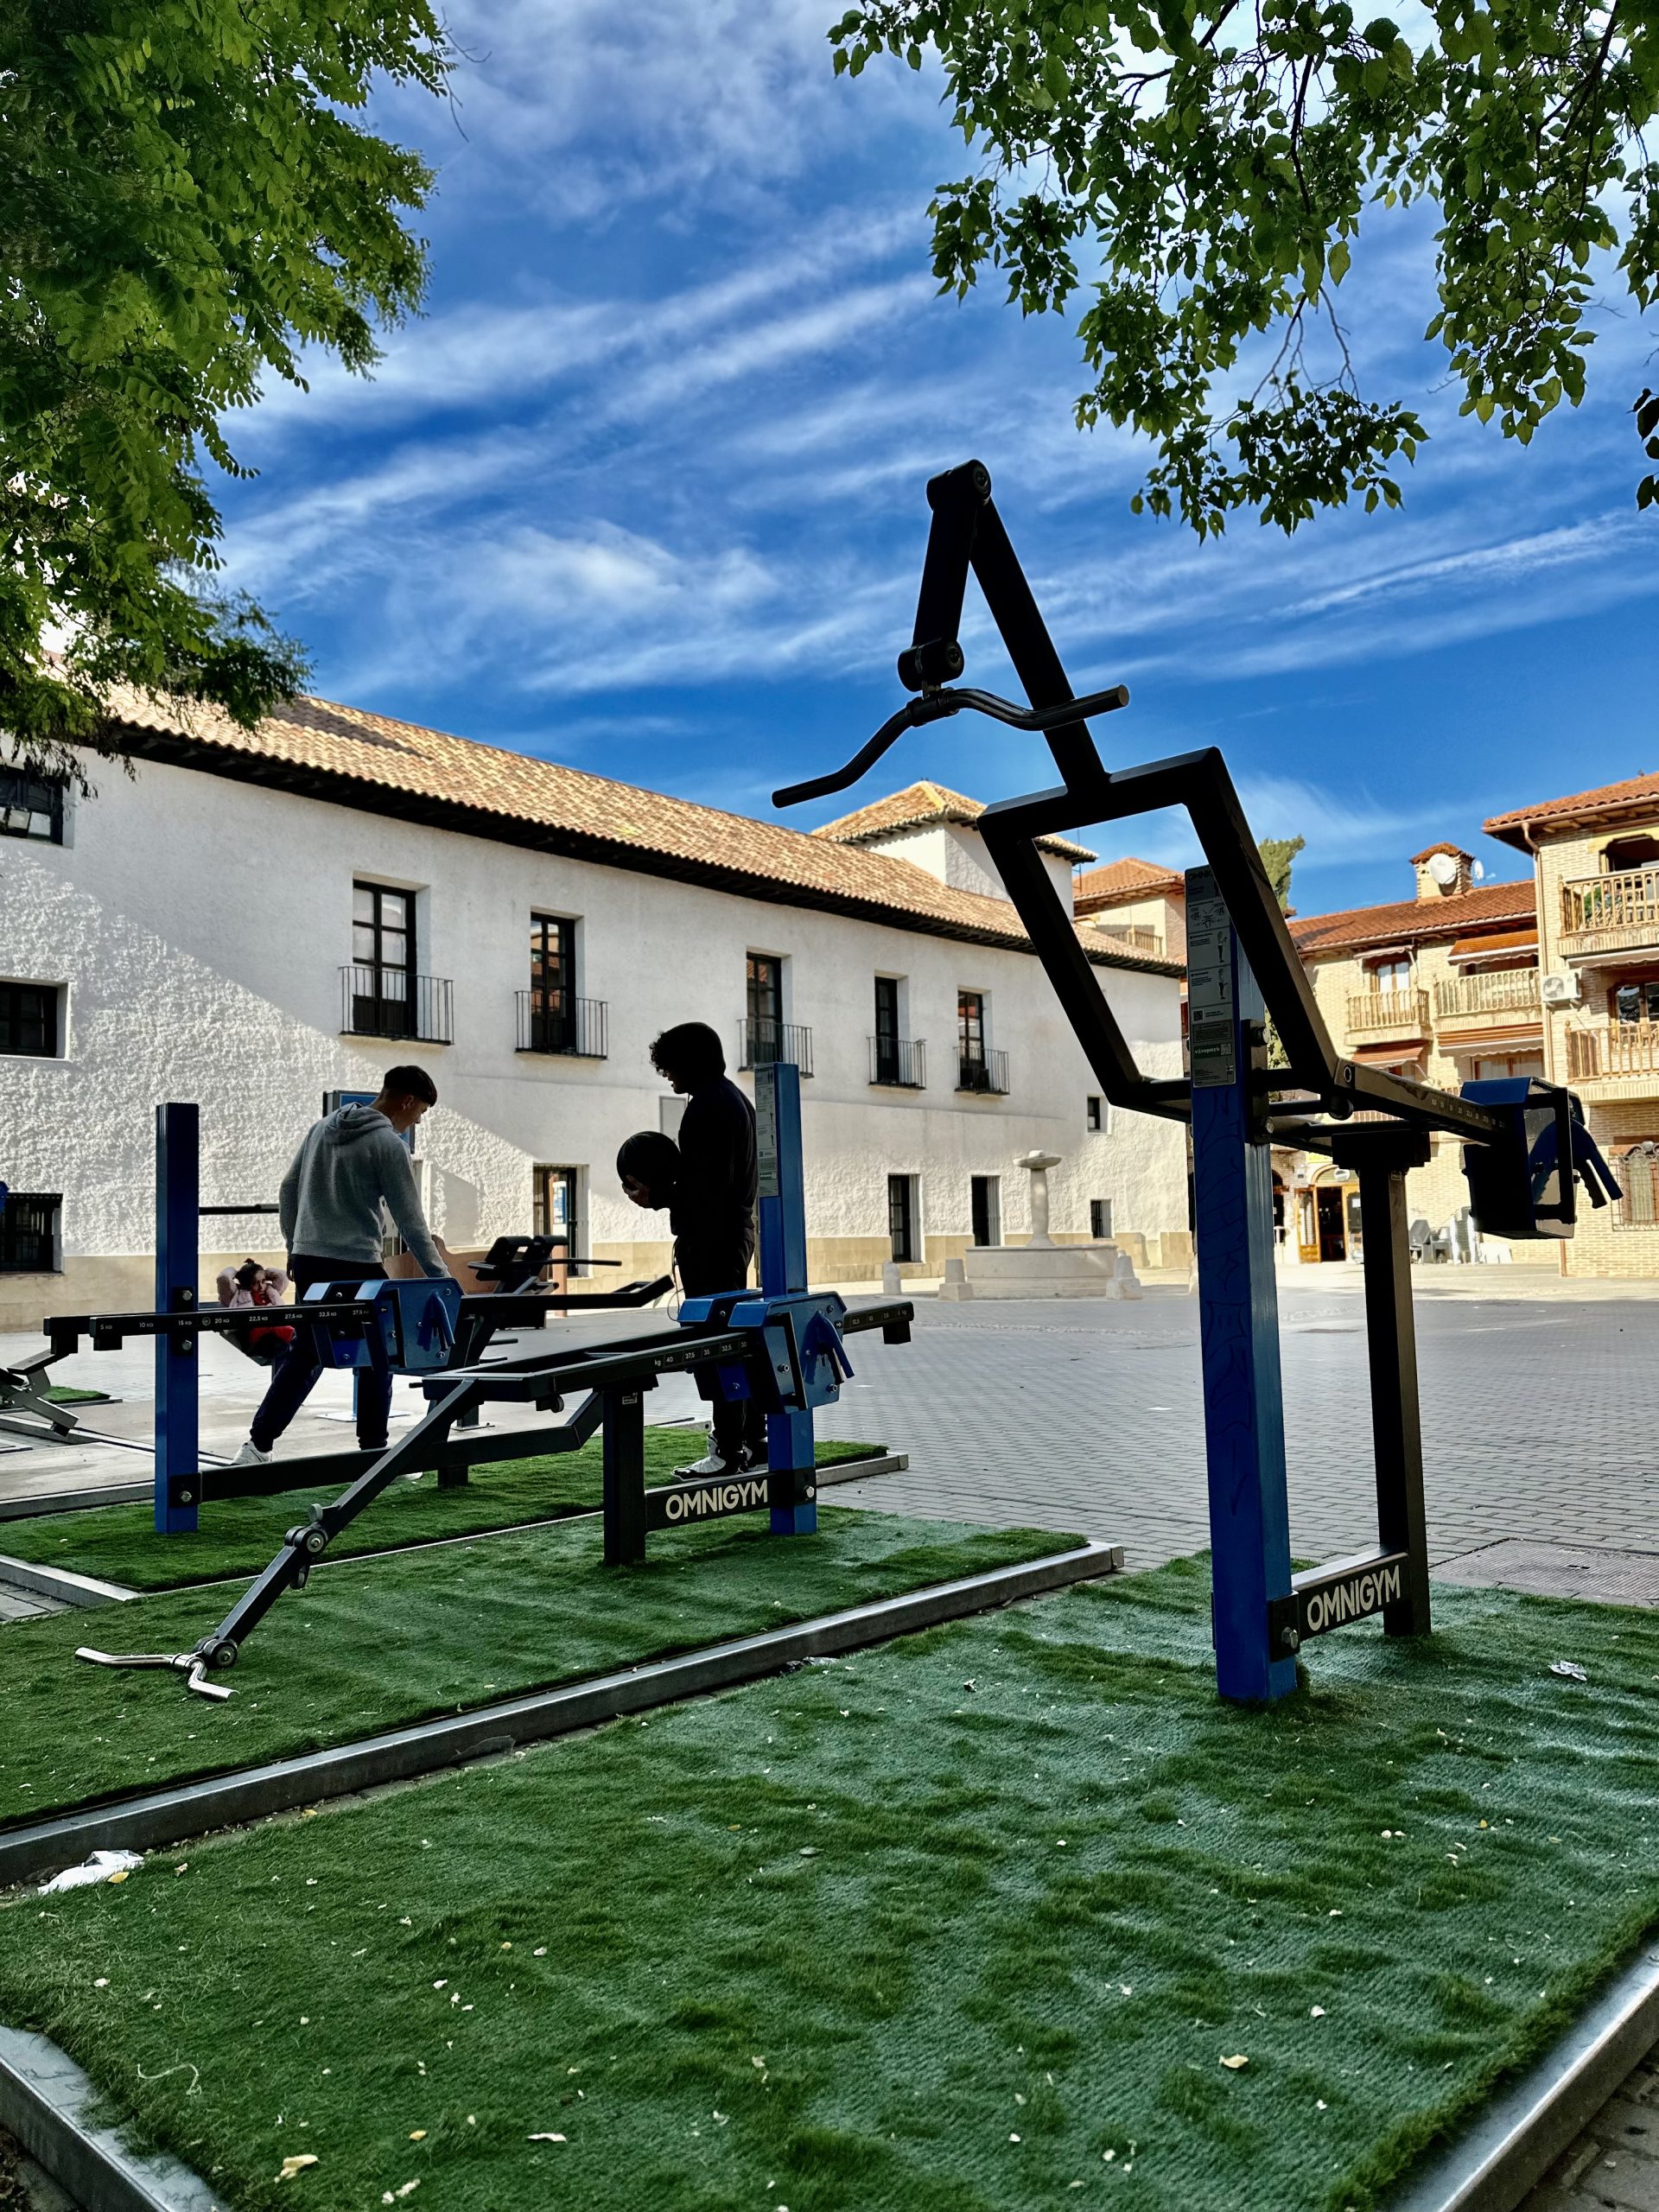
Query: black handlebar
[{"x": 935, "y": 706}]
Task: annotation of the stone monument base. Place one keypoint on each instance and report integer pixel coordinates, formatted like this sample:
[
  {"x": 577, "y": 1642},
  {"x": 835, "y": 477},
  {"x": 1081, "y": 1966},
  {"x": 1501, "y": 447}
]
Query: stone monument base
[{"x": 1046, "y": 1271}]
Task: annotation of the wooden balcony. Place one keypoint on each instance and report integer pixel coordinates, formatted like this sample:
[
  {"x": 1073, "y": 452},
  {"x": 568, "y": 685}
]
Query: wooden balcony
[
  {"x": 1618, "y": 1060},
  {"x": 1134, "y": 937},
  {"x": 1382, "y": 1015},
  {"x": 1610, "y": 914},
  {"x": 1505, "y": 999}
]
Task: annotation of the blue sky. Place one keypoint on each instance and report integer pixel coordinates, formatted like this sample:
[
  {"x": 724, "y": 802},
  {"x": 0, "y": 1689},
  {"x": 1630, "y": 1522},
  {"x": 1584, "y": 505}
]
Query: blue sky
[{"x": 644, "y": 490}]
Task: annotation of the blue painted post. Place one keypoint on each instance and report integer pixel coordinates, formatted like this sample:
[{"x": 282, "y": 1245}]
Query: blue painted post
[
  {"x": 1238, "y": 1314},
  {"x": 178, "y": 1155},
  {"x": 789, "y": 1444}
]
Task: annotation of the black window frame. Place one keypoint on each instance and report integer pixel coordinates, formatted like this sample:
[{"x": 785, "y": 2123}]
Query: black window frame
[
  {"x": 376, "y": 1013},
  {"x": 553, "y": 1006},
  {"x": 1648, "y": 1007},
  {"x": 13, "y": 1024},
  {"x": 21, "y": 792},
  {"x": 763, "y": 999},
  {"x": 901, "y": 1217},
  {"x": 1094, "y": 1112},
  {"x": 46, "y": 1227},
  {"x": 1100, "y": 1220},
  {"x": 544, "y": 1173},
  {"x": 985, "y": 1207}
]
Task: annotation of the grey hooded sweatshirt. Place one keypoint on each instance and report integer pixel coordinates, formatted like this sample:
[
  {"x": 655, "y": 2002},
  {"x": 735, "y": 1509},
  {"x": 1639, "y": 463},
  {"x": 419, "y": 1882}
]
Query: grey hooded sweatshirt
[{"x": 329, "y": 1201}]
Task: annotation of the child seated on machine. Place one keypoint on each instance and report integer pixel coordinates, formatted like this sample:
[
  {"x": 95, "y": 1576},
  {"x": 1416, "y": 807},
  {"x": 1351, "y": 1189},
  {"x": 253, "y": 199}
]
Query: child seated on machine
[{"x": 253, "y": 1285}]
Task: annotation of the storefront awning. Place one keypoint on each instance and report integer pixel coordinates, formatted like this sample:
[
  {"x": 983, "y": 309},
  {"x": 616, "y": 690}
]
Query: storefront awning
[
  {"x": 1495, "y": 944},
  {"x": 1399, "y": 1058}
]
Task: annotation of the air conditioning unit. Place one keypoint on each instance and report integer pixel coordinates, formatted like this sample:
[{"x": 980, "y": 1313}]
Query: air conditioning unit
[{"x": 1558, "y": 990}]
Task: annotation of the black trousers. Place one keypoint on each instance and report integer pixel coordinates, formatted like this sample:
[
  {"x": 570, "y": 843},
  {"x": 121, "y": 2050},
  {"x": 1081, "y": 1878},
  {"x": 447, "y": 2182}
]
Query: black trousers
[
  {"x": 706, "y": 1268},
  {"x": 295, "y": 1375}
]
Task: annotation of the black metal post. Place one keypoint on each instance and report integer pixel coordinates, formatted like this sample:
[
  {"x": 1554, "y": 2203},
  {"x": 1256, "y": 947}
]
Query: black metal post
[
  {"x": 1381, "y": 1157},
  {"x": 624, "y": 1476}
]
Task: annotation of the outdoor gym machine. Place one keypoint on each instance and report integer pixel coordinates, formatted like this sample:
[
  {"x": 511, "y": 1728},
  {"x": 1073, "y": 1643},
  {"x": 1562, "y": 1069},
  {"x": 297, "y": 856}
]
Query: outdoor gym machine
[
  {"x": 782, "y": 1345},
  {"x": 1527, "y": 1144}
]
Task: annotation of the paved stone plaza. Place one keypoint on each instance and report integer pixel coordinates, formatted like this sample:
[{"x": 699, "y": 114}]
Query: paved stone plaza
[{"x": 1539, "y": 1426}]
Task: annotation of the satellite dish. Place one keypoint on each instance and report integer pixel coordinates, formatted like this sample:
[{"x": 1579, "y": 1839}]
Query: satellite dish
[
  {"x": 1444, "y": 869},
  {"x": 1479, "y": 872}
]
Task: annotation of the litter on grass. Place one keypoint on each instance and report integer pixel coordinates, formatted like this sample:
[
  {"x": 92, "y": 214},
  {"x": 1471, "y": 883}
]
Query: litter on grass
[
  {"x": 1571, "y": 1668},
  {"x": 102, "y": 1866}
]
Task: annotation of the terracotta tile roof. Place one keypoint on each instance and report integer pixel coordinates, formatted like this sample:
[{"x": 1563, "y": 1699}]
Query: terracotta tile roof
[
  {"x": 1408, "y": 921},
  {"x": 1636, "y": 794},
  {"x": 1445, "y": 846},
  {"x": 347, "y": 757},
  {"x": 913, "y": 808},
  {"x": 1121, "y": 880}
]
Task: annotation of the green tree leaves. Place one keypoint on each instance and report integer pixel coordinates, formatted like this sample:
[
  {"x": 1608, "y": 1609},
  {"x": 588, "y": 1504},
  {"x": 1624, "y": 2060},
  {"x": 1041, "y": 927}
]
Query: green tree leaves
[
  {"x": 185, "y": 201},
  {"x": 1201, "y": 168}
]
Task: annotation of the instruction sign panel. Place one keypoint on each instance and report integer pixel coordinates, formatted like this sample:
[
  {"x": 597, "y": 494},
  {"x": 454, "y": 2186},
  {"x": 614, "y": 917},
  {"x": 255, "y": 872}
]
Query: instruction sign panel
[
  {"x": 1211, "y": 1011},
  {"x": 765, "y": 1135}
]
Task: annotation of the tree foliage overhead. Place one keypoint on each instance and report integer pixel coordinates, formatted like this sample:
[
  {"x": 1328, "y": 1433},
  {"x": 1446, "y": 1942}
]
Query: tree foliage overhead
[
  {"x": 1198, "y": 170},
  {"x": 186, "y": 200}
]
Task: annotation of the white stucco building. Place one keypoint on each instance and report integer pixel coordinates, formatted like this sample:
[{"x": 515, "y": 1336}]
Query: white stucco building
[{"x": 253, "y": 920}]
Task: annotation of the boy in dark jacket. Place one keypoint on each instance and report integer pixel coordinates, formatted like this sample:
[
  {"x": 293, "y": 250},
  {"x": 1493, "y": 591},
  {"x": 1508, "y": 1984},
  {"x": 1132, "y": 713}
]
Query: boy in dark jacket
[{"x": 711, "y": 1207}]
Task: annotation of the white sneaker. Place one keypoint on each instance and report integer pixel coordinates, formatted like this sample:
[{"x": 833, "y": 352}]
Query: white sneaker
[
  {"x": 710, "y": 1463},
  {"x": 251, "y": 1456}
]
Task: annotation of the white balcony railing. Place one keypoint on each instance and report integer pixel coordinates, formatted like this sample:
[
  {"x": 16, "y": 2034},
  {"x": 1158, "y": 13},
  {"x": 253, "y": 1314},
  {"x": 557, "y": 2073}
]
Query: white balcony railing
[
  {"x": 1607, "y": 913},
  {"x": 1511, "y": 994},
  {"x": 1398, "y": 1013},
  {"x": 1620, "y": 1050}
]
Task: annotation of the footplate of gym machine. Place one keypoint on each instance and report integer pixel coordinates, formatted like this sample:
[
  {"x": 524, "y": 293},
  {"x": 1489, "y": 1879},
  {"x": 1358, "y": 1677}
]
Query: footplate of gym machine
[
  {"x": 712, "y": 1498},
  {"x": 1323, "y": 1598}
]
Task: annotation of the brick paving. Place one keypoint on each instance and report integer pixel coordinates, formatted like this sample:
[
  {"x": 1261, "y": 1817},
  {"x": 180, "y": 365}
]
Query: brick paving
[{"x": 1538, "y": 1420}]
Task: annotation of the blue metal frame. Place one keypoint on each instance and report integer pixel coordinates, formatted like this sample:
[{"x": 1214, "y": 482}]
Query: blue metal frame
[
  {"x": 1238, "y": 1309},
  {"x": 178, "y": 1192},
  {"x": 782, "y": 1209}
]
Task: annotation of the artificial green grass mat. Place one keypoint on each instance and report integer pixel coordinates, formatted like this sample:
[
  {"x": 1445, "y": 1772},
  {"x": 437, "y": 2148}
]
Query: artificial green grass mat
[
  {"x": 64, "y": 1394},
  {"x": 386, "y": 1642},
  {"x": 237, "y": 1536},
  {"x": 969, "y": 1921}
]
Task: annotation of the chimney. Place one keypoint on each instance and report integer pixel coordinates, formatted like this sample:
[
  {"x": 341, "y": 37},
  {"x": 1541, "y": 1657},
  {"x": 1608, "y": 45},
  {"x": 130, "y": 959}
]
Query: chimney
[{"x": 1444, "y": 872}]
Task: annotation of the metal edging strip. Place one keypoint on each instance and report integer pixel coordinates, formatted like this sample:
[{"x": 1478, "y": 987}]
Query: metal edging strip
[
  {"x": 1515, "y": 2139},
  {"x": 46, "y": 2102},
  {"x": 74, "y": 1589},
  {"x": 167, "y": 1816}
]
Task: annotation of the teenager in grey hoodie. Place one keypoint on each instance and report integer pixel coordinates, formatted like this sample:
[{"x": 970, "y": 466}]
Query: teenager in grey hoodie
[{"x": 329, "y": 1203}]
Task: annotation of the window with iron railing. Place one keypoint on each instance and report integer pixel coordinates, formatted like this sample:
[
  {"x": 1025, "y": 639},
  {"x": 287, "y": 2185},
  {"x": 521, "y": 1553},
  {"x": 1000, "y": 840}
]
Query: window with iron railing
[
  {"x": 1636, "y": 1172},
  {"x": 579, "y": 1029},
  {"x": 898, "y": 1063},
  {"x": 978, "y": 1067},
  {"x": 769, "y": 1043},
  {"x": 29, "y": 1019},
  {"x": 31, "y": 806},
  {"x": 421, "y": 1012},
  {"x": 28, "y": 1233}
]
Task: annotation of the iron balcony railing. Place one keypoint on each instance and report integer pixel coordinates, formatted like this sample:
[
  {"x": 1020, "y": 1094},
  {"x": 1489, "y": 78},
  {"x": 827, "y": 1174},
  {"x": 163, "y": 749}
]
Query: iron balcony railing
[
  {"x": 577, "y": 1028},
  {"x": 899, "y": 1062},
  {"x": 1605, "y": 914},
  {"x": 982, "y": 1069},
  {"x": 390, "y": 1002},
  {"x": 766, "y": 1044},
  {"x": 1400, "y": 1012},
  {"x": 1511, "y": 991},
  {"x": 1622, "y": 1048}
]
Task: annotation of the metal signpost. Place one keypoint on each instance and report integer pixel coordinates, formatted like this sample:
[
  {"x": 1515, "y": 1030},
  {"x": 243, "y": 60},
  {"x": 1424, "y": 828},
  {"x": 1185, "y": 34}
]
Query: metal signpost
[
  {"x": 790, "y": 1447},
  {"x": 177, "y": 1197}
]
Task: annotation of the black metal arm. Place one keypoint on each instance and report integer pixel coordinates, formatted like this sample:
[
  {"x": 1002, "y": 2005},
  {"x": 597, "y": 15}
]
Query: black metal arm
[{"x": 967, "y": 537}]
